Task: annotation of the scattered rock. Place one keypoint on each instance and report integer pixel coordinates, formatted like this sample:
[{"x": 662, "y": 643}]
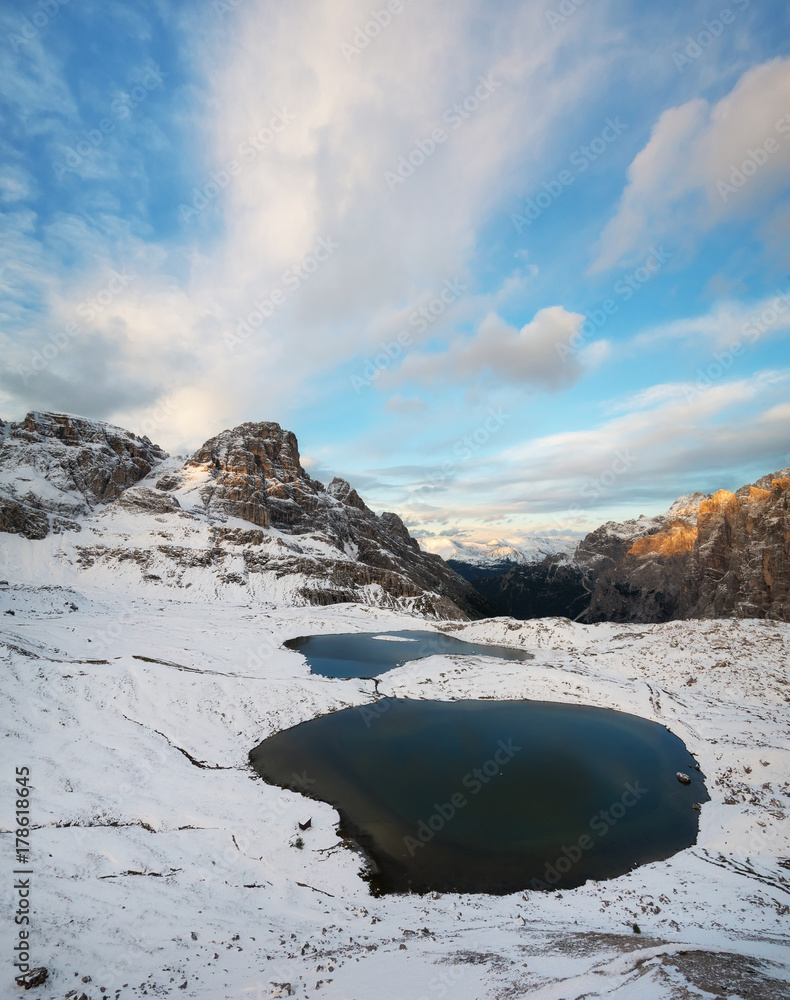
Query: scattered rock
[
  {"x": 684, "y": 779},
  {"x": 33, "y": 978}
]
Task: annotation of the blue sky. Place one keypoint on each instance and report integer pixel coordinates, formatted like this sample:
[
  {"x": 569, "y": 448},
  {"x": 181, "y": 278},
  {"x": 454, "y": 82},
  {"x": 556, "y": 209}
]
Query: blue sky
[{"x": 510, "y": 269}]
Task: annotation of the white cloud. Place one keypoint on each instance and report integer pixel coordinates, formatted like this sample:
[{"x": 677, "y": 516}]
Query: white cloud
[
  {"x": 533, "y": 355},
  {"x": 16, "y": 184},
  {"x": 321, "y": 176},
  {"x": 411, "y": 406},
  {"x": 662, "y": 442},
  {"x": 675, "y": 183},
  {"x": 728, "y": 324}
]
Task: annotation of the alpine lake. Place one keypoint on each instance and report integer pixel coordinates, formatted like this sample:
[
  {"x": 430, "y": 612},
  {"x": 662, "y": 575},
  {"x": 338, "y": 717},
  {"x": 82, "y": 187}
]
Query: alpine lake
[{"x": 484, "y": 796}]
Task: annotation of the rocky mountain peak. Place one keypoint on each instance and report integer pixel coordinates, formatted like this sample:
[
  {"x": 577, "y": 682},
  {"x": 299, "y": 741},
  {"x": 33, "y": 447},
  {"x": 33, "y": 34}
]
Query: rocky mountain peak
[
  {"x": 345, "y": 493},
  {"x": 260, "y": 449},
  {"x": 253, "y": 472}
]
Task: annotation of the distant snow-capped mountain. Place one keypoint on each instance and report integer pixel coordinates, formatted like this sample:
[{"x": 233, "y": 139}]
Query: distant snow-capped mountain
[
  {"x": 709, "y": 556},
  {"x": 499, "y": 553}
]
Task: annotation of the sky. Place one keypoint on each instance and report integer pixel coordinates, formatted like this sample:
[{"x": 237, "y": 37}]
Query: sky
[{"x": 511, "y": 269}]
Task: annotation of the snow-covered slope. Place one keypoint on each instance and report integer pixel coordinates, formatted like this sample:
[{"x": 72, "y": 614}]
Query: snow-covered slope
[
  {"x": 162, "y": 866},
  {"x": 141, "y": 646}
]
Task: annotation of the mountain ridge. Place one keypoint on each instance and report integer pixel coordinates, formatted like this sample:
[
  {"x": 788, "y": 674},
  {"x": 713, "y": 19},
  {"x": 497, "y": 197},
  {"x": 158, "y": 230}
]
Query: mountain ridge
[
  {"x": 241, "y": 509},
  {"x": 498, "y": 552},
  {"x": 710, "y": 555},
  {"x": 242, "y": 515}
]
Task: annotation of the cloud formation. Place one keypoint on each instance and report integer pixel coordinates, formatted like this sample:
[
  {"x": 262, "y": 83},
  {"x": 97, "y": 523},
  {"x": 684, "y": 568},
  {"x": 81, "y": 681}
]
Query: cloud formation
[
  {"x": 531, "y": 356},
  {"x": 209, "y": 153},
  {"x": 705, "y": 163}
]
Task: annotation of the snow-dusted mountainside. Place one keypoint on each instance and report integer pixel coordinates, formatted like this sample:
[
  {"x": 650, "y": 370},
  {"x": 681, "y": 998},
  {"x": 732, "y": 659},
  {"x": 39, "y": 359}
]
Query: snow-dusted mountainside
[
  {"x": 498, "y": 554},
  {"x": 163, "y": 867},
  {"x": 709, "y": 556},
  {"x": 55, "y": 468},
  {"x": 240, "y": 519},
  {"x": 535, "y": 578}
]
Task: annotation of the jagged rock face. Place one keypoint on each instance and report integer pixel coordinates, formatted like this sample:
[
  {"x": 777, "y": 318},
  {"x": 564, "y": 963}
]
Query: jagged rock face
[
  {"x": 256, "y": 475},
  {"x": 55, "y": 468},
  {"x": 254, "y": 472},
  {"x": 710, "y": 556}
]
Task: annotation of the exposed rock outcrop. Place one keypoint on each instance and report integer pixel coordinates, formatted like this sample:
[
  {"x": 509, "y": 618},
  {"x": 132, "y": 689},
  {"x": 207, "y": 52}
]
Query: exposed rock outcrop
[
  {"x": 709, "y": 556},
  {"x": 254, "y": 472},
  {"x": 719, "y": 555},
  {"x": 55, "y": 468}
]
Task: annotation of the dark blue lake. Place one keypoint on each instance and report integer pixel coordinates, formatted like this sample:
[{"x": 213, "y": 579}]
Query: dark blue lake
[
  {"x": 492, "y": 796},
  {"x": 366, "y": 654}
]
